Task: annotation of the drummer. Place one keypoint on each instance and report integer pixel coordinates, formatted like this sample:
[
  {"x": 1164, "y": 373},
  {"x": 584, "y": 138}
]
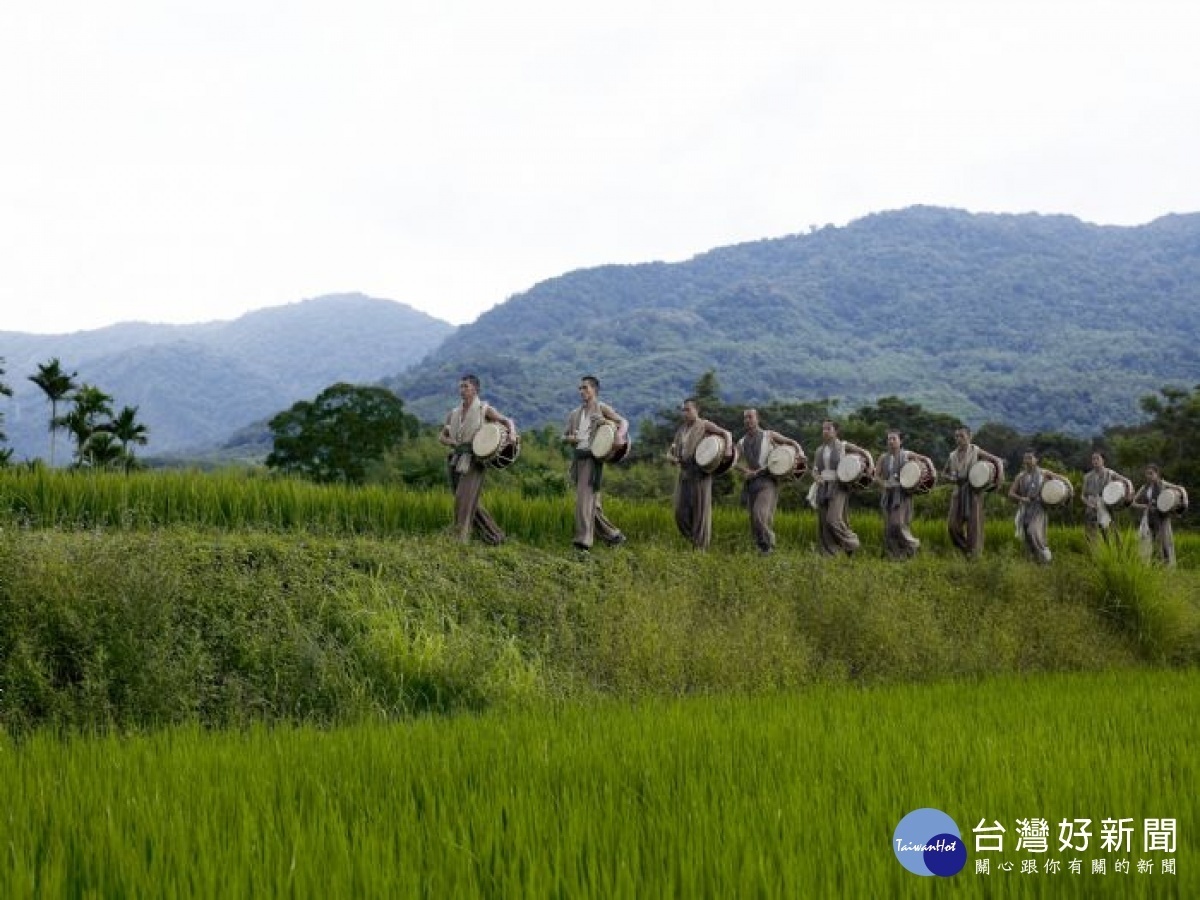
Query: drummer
[
  {"x": 1026, "y": 490},
  {"x": 895, "y": 502},
  {"x": 1158, "y": 537},
  {"x": 587, "y": 469},
  {"x": 466, "y": 472},
  {"x": 1096, "y": 517},
  {"x": 693, "y": 489},
  {"x": 833, "y": 497},
  {"x": 965, "y": 520},
  {"x": 760, "y": 490}
]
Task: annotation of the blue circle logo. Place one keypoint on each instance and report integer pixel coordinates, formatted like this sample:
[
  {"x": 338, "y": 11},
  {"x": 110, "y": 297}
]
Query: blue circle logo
[{"x": 928, "y": 842}]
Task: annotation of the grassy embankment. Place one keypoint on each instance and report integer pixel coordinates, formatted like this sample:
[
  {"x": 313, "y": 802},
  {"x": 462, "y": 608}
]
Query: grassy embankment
[{"x": 285, "y": 601}]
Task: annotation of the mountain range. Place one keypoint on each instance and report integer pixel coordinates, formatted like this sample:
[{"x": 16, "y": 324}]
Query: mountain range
[
  {"x": 195, "y": 385},
  {"x": 1042, "y": 322}
]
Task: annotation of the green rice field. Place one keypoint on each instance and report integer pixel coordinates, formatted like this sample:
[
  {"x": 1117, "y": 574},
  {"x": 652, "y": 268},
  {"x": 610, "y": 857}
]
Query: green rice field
[
  {"x": 222, "y": 686},
  {"x": 792, "y": 795}
]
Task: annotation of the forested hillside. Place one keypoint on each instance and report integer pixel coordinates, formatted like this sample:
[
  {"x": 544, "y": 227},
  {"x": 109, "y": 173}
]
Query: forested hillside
[
  {"x": 1041, "y": 322},
  {"x": 195, "y": 385}
]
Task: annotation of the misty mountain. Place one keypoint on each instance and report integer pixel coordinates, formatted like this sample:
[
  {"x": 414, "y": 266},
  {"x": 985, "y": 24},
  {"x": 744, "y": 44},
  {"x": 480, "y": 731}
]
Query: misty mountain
[
  {"x": 195, "y": 385},
  {"x": 1041, "y": 322}
]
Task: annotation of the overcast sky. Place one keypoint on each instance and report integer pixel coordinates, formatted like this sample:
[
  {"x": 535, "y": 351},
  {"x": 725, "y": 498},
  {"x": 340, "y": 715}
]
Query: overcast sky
[{"x": 187, "y": 161}]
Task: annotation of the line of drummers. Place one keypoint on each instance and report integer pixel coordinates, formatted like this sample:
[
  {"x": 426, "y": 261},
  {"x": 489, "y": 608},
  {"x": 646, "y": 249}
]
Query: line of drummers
[
  {"x": 839, "y": 468},
  {"x": 768, "y": 459}
]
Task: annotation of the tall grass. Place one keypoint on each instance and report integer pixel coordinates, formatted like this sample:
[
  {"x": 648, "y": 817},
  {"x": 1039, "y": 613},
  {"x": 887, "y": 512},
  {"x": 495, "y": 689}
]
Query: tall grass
[
  {"x": 795, "y": 795},
  {"x": 133, "y": 629},
  {"x": 1146, "y": 599},
  {"x": 142, "y": 500}
]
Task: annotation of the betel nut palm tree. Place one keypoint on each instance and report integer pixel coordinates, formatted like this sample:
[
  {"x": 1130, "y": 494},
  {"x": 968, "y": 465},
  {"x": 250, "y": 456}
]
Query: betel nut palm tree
[{"x": 57, "y": 385}]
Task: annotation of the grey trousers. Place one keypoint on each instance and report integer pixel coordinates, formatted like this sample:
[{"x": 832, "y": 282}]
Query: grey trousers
[
  {"x": 590, "y": 520},
  {"x": 898, "y": 539},
  {"x": 693, "y": 508},
  {"x": 1033, "y": 531},
  {"x": 965, "y": 522},
  {"x": 834, "y": 529},
  {"x": 762, "y": 496},
  {"x": 468, "y": 511}
]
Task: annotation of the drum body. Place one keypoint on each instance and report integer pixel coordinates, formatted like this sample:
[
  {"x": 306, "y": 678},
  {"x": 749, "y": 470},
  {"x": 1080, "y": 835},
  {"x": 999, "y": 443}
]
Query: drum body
[
  {"x": 784, "y": 462},
  {"x": 492, "y": 446},
  {"x": 984, "y": 476},
  {"x": 1056, "y": 491},
  {"x": 1173, "y": 499},
  {"x": 1116, "y": 495},
  {"x": 856, "y": 469},
  {"x": 917, "y": 476},
  {"x": 710, "y": 455}
]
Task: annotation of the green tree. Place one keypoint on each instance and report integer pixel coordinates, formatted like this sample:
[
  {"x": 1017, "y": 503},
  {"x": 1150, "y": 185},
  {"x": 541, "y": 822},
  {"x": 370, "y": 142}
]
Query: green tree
[
  {"x": 927, "y": 432},
  {"x": 90, "y": 411},
  {"x": 127, "y": 430},
  {"x": 104, "y": 450},
  {"x": 1169, "y": 437},
  {"x": 335, "y": 437},
  {"x": 707, "y": 390},
  {"x": 57, "y": 385}
]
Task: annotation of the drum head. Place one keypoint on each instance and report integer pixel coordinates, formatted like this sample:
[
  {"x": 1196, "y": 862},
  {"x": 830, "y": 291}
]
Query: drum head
[
  {"x": 850, "y": 468},
  {"x": 1055, "y": 491},
  {"x": 1171, "y": 500},
  {"x": 1115, "y": 493},
  {"x": 781, "y": 461},
  {"x": 488, "y": 440},
  {"x": 602, "y": 440},
  {"x": 910, "y": 474},
  {"x": 709, "y": 452},
  {"x": 982, "y": 475}
]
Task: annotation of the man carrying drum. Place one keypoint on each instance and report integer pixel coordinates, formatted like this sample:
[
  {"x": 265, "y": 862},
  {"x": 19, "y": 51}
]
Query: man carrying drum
[
  {"x": 760, "y": 491},
  {"x": 587, "y": 467},
  {"x": 1031, "y": 519},
  {"x": 1158, "y": 537},
  {"x": 466, "y": 472},
  {"x": 1097, "y": 518},
  {"x": 832, "y": 496},
  {"x": 965, "y": 520},
  {"x": 693, "y": 489},
  {"x": 896, "y": 501}
]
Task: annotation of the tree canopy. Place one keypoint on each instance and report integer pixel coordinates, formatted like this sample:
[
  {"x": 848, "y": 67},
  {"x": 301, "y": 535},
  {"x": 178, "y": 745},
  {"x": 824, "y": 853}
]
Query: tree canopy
[{"x": 336, "y": 436}]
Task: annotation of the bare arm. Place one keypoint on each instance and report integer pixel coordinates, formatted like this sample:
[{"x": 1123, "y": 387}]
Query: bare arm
[
  {"x": 493, "y": 415},
  {"x": 784, "y": 439}
]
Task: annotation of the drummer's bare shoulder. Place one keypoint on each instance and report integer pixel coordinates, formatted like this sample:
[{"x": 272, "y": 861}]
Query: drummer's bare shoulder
[
  {"x": 494, "y": 415},
  {"x": 714, "y": 428},
  {"x": 778, "y": 438},
  {"x": 612, "y": 415}
]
